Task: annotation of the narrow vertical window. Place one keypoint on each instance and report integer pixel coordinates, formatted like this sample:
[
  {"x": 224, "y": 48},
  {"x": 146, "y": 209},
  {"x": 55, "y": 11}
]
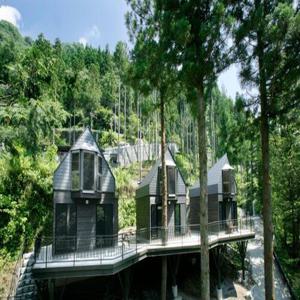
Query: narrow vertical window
[
  {"x": 227, "y": 181},
  {"x": 65, "y": 227},
  {"x": 88, "y": 171},
  {"x": 99, "y": 173},
  {"x": 159, "y": 181},
  {"x": 171, "y": 171},
  {"x": 75, "y": 171}
]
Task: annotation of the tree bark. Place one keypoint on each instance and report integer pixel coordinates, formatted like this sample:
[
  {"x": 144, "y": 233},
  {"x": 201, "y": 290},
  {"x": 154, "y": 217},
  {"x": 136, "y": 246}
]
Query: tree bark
[
  {"x": 267, "y": 200},
  {"x": 205, "y": 284},
  {"x": 164, "y": 196}
]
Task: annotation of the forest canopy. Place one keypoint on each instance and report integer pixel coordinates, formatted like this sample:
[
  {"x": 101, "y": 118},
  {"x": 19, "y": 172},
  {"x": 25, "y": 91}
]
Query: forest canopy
[{"x": 44, "y": 86}]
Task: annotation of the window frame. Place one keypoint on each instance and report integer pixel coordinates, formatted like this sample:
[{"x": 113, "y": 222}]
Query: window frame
[
  {"x": 99, "y": 173},
  {"x": 175, "y": 180},
  {"x": 67, "y": 207},
  {"x": 228, "y": 182},
  {"x": 82, "y": 173},
  {"x": 79, "y": 170}
]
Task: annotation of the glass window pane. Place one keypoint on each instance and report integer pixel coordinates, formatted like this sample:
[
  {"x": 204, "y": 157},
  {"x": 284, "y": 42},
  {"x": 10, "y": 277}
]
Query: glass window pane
[
  {"x": 98, "y": 183},
  {"x": 72, "y": 220},
  {"x": 100, "y": 220},
  {"x": 99, "y": 165},
  {"x": 75, "y": 161},
  {"x": 104, "y": 217},
  {"x": 177, "y": 215},
  {"x": 171, "y": 180},
  {"x": 65, "y": 229},
  {"x": 88, "y": 171},
  {"x": 65, "y": 219},
  {"x": 227, "y": 181},
  {"x": 75, "y": 171},
  {"x": 159, "y": 181},
  {"x": 61, "y": 219}
]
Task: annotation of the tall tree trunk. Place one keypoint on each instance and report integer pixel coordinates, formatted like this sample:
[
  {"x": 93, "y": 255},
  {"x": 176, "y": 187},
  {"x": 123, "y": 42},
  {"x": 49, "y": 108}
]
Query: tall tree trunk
[
  {"x": 164, "y": 196},
  {"x": 205, "y": 285},
  {"x": 267, "y": 201}
]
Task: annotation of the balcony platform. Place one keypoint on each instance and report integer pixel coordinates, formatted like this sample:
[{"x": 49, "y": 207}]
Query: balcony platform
[{"x": 128, "y": 250}]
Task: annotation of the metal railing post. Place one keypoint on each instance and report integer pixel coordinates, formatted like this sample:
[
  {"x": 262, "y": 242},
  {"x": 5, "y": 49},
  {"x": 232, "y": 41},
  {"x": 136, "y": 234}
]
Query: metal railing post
[
  {"x": 46, "y": 255},
  {"x": 135, "y": 241},
  {"x": 122, "y": 240},
  {"x": 74, "y": 252}
]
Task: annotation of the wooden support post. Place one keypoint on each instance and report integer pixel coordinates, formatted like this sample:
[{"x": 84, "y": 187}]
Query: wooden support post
[
  {"x": 217, "y": 255},
  {"x": 173, "y": 268},
  {"x": 242, "y": 247},
  {"x": 51, "y": 288},
  {"x": 164, "y": 271},
  {"x": 125, "y": 280}
]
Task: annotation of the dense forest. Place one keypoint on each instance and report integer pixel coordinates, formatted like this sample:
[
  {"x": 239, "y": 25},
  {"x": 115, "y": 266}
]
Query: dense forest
[{"x": 45, "y": 86}]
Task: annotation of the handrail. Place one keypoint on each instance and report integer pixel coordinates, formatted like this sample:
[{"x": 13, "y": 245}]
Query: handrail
[
  {"x": 16, "y": 273},
  {"x": 71, "y": 249},
  {"x": 285, "y": 278}
]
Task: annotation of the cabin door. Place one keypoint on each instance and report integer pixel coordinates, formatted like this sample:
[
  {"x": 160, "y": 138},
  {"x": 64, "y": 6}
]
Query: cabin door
[
  {"x": 65, "y": 228},
  {"x": 104, "y": 225},
  {"x": 85, "y": 227}
]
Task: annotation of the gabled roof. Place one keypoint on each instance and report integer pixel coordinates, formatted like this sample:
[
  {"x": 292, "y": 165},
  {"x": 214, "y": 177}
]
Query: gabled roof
[
  {"x": 86, "y": 141},
  {"x": 214, "y": 173},
  {"x": 169, "y": 162}
]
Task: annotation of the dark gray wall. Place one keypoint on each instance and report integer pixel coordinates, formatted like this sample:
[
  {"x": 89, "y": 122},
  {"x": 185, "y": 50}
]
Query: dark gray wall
[
  {"x": 194, "y": 213},
  {"x": 213, "y": 208},
  {"x": 142, "y": 213}
]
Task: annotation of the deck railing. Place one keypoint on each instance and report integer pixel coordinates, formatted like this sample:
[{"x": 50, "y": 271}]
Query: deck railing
[{"x": 106, "y": 249}]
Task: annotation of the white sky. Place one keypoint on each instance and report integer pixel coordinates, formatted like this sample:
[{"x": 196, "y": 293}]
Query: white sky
[
  {"x": 88, "y": 31},
  {"x": 228, "y": 82}
]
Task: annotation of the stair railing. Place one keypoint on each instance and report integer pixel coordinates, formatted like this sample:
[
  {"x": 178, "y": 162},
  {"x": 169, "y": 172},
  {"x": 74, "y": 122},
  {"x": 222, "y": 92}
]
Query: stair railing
[{"x": 16, "y": 273}]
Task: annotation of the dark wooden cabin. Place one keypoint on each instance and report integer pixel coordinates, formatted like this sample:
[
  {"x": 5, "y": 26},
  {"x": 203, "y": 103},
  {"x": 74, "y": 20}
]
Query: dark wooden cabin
[
  {"x": 85, "y": 205},
  {"x": 221, "y": 194},
  {"x": 149, "y": 200}
]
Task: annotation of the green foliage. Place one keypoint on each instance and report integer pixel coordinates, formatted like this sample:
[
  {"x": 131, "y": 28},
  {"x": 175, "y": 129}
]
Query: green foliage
[
  {"x": 25, "y": 196},
  {"x": 45, "y": 86},
  {"x": 109, "y": 138},
  {"x": 187, "y": 168},
  {"x": 126, "y": 181}
]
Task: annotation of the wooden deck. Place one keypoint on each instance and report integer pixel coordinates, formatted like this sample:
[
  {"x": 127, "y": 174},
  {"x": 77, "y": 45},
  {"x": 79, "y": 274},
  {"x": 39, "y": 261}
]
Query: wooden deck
[{"x": 110, "y": 260}]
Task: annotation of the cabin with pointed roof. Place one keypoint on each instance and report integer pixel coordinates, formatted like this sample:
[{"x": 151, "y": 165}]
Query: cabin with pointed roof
[
  {"x": 221, "y": 188},
  {"x": 85, "y": 205},
  {"x": 149, "y": 200}
]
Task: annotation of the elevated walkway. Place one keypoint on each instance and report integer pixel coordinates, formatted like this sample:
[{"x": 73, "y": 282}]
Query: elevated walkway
[{"x": 131, "y": 247}]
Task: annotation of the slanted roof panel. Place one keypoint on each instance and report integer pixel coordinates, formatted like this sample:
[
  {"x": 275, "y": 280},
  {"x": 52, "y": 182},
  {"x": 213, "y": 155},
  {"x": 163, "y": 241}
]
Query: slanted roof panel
[
  {"x": 213, "y": 176},
  {"x": 151, "y": 175},
  {"x": 86, "y": 142}
]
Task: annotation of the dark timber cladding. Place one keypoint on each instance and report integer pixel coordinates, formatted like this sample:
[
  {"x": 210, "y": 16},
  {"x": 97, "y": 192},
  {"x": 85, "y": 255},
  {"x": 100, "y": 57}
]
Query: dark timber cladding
[
  {"x": 149, "y": 200},
  {"x": 85, "y": 206},
  {"x": 221, "y": 194}
]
